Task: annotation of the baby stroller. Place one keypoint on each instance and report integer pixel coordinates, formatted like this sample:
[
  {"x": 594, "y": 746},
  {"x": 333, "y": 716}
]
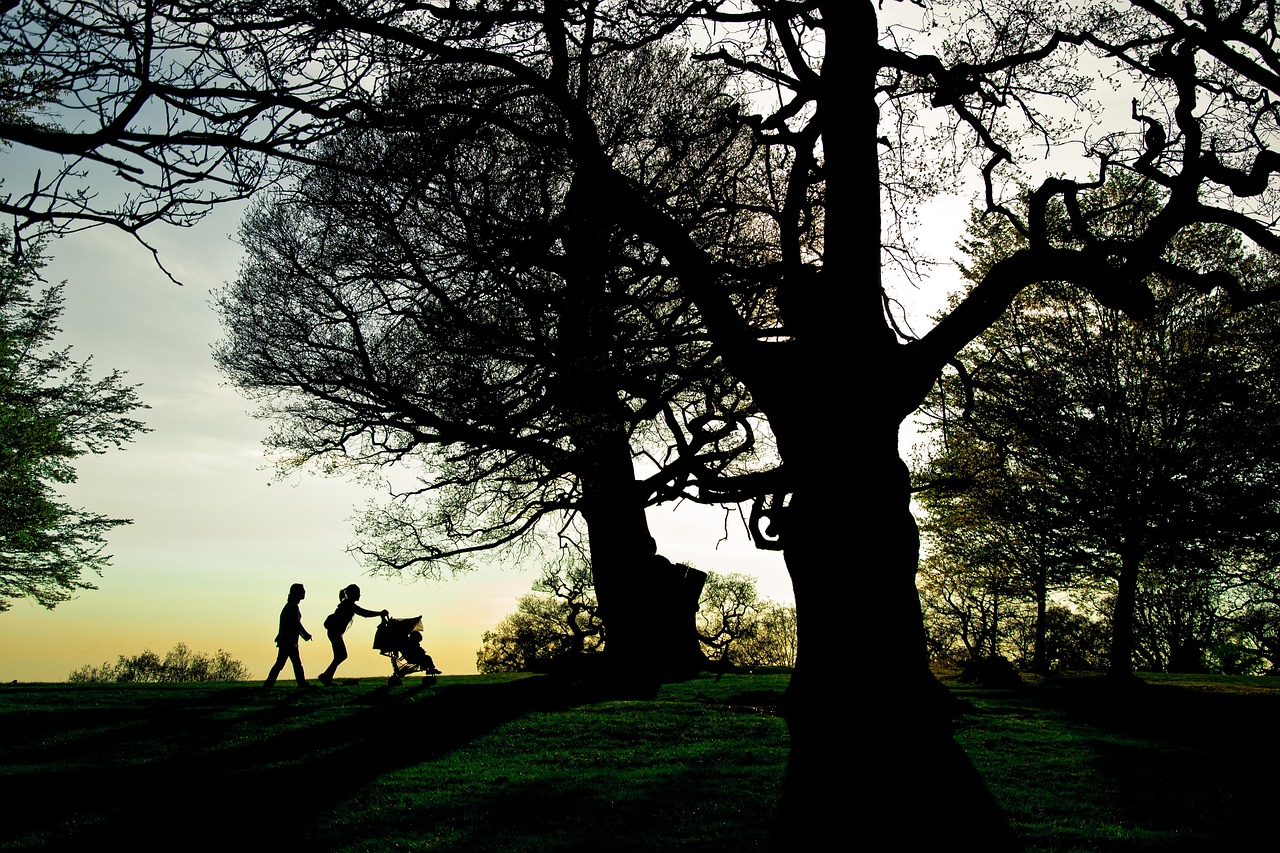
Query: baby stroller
[{"x": 401, "y": 640}]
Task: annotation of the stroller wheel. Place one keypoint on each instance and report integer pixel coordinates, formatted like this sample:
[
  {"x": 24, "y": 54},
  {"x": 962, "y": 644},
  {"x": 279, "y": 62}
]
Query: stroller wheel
[{"x": 395, "y": 680}]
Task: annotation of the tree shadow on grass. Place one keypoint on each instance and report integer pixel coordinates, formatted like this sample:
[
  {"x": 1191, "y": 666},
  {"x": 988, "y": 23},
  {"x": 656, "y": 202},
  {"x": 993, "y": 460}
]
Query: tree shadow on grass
[
  {"x": 1184, "y": 765},
  {"x": 193, "y": 776}
]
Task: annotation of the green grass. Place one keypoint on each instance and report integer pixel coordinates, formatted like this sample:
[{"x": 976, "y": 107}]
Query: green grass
[
  {"x": 490, "y": 763},
  {"x": 1181, "y": 763},
  {"x": 511, "y": 763}
]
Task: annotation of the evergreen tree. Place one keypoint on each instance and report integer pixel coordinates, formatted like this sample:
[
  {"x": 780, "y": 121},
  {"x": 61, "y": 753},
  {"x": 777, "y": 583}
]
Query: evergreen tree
[{"x": 52, "y": 411}]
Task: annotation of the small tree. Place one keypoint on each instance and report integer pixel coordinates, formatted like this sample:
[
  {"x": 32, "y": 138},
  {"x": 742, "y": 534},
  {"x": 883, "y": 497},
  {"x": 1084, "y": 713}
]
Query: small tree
[
  {"x": 773, "y": 642},
  {"x": 969, "y": 608},
  {"x": 1074, "y": 640},
  {"x": 1178, "y": 618},
  {"x": 52, "y": 411},
  {"x": 538, "y": 637},
  {"x": 557, "y": 623},
  {"x": 1251, "y": 640},
  {"x": 728, "y": 615}
]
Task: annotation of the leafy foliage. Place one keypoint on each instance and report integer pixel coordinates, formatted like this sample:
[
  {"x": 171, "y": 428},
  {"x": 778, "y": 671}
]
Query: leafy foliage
[
  {"x": 52, "y": 411},
  {"x": 1078, "y": 450},
  {"x": 179, "y": 665},
  {"x": 739, "y": 628},
  {"x": 559, "y": 623},
  {"x": 492, "y": 339},
  {"x": 771, "y": 640}
]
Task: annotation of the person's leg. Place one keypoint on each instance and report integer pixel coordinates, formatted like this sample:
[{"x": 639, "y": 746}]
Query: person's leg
[
  {"x": 281, "y": 656},
  {"x": 418, "y": 656},
  {"x": 296, "y": 659},
  {"x": 339, "y": 655}
]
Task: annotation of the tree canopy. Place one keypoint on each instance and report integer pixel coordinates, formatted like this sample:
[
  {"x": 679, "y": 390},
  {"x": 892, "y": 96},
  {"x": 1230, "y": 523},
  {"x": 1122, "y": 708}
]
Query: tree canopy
[
  {"x": 486, "y": 332},
  {"x": 1087, "y": 445},
  {"x": 52, "y": 412}
]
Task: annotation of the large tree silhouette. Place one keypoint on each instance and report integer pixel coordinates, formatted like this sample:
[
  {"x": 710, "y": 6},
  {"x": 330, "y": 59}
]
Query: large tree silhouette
[
  {"x": 453, "y": 304},
  {"x": 853, "y": 116}
]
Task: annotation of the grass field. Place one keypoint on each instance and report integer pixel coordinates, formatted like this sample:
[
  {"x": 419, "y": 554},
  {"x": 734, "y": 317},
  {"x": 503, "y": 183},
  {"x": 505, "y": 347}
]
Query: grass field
[{"x": 512, "y": 763}]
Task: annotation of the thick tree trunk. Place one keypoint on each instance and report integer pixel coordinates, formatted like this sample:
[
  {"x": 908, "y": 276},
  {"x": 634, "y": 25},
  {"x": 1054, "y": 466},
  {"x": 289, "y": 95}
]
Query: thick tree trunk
[
  {"x": 859, "y": 757},
  {"x": 1120, "y": 668},
  {"x": 648, "y": 605}
]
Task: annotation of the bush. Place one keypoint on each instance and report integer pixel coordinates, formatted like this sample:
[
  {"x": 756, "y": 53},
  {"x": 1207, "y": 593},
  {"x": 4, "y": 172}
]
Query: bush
[
  {"x": 558, "y": 626},
  {"x": 180, "y": 665}
]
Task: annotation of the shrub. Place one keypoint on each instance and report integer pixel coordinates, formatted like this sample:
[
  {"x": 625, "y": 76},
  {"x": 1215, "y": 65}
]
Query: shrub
[{"x": 179, "y": 665}]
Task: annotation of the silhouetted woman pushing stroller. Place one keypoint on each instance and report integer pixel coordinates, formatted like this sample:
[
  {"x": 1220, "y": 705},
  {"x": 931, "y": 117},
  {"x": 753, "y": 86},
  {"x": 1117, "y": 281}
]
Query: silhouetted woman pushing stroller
[{"x": 336, "y": 624}]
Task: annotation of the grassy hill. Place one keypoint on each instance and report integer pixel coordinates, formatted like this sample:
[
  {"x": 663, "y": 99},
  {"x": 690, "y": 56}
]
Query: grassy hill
[{"x": 521, "y": 763}]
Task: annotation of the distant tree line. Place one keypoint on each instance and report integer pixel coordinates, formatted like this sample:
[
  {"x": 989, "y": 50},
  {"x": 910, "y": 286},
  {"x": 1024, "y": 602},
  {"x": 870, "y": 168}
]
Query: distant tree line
[
  {"x": 1105, "y": 494},
  {"x": 558, "y": 625},
  {"x": 179, "y": 665}
]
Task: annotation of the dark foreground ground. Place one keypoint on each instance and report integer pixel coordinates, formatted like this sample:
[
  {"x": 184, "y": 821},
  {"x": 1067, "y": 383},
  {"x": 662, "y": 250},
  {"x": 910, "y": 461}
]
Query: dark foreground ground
[
  {"x": 510, "y": 763},
  {"x": 1168, "y": 763},
  {"x": 481, "y": 763}
]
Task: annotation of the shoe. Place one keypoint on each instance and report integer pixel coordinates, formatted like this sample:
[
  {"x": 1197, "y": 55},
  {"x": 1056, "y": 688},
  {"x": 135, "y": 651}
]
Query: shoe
[
  {"x": 326, "y": 680},
  {"x": 435, "y": 671}
]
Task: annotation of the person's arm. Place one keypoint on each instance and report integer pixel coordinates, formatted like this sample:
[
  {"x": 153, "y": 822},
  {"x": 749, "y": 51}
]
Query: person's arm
[
  {"x": 297, "y": 620},
  {"x": 364, "y": 612}
]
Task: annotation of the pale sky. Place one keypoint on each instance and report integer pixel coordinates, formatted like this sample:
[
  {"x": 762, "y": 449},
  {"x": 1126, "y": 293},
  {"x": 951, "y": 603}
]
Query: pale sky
[{"x": 215, "y": 541}]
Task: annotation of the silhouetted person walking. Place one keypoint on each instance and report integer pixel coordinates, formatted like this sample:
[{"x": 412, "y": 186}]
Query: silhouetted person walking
[
  {"x": 287, "y": 637},
  {"x": 336, "y": 624}
]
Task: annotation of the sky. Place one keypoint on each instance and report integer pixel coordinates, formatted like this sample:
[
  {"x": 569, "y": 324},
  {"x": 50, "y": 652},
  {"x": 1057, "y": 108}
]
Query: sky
[{"x": 216, "y": 539}]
